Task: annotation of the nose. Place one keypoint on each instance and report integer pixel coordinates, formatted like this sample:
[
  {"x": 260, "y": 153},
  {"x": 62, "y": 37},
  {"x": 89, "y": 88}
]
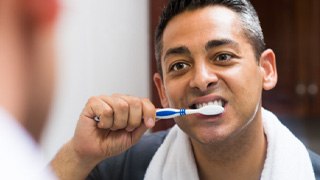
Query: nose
[{"x": 203, "y": 77}]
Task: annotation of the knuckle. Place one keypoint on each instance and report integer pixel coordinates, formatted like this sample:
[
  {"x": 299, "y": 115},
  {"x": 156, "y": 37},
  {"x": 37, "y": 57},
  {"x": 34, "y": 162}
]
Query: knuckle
[
  {"x": 103, "y": 97},
  {"x": 147, "y": 104},
  {"x": 145, "y": 100},
  {"x": 107, "y": 112},
  {"x": 122, "y": 105},
  {"x": 135, "y": 103},
  {"x": 92, "y": 100}
]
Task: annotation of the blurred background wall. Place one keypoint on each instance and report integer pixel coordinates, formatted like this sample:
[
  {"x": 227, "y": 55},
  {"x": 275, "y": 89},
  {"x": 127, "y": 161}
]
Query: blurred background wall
[{"x": 103, "y": 48}]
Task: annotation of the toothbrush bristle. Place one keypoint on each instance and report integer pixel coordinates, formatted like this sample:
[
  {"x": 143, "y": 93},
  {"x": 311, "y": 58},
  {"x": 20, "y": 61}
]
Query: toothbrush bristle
[{"x": 211, "y": 110}]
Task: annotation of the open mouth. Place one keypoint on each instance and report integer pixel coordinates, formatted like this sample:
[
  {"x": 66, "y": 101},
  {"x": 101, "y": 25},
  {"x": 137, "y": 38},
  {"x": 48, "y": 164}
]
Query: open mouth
[{"x": 219, "y": 102}]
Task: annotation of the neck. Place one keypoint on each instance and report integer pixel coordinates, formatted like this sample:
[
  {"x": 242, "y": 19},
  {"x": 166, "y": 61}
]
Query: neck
[{"x": 241, "y": 157}]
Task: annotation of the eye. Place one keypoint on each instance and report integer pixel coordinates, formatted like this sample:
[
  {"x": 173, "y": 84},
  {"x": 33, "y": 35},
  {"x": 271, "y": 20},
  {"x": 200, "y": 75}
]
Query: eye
[
  {"x": 223, "y": 57},
  {"x": 178, "y": 66}
]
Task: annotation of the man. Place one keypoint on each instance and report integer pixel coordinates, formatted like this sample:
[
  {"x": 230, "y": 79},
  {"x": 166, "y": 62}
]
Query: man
[
  {"x": 207, "y": 51},
  {"x": 26, "y": 84}
]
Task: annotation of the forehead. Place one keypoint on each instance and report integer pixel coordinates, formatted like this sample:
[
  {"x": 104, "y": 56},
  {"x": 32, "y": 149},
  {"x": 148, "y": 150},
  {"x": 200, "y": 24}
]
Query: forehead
[{"x": 197, "y": 27}]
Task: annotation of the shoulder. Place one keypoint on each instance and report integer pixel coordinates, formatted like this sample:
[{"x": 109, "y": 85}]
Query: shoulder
[
  {"x": 152, "y": 140},
  {"x": 131, "y": 164},
  {"x": 315, "y": 159}
]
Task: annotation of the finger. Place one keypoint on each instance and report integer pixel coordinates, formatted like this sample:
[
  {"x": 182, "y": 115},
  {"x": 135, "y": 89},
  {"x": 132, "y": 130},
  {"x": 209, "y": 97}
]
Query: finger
[
  {"x": 135, "y": 112},
  {"x": 96, "y": 108},
  {"x": 120, "y": 111},
  {"x": 106, "y": 114},
  {"x": 93, "y": 108},
  {"x": 149, "y": 113}
]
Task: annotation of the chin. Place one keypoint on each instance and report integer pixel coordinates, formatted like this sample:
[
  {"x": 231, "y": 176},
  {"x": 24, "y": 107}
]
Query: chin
[
  {"x": 38, "y": 112},
  {"x": 36, "y": 123},
  {"x": 206, "y": 135},
  {"x": 209, "y": 138}
]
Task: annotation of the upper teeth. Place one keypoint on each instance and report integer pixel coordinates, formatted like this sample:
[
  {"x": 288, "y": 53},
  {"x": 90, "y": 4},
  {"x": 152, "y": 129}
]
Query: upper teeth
[{"x": 216, "y": 102}]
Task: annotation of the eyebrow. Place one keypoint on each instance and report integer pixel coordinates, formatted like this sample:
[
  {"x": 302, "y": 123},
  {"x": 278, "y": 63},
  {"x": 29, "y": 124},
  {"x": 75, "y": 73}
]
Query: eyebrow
[
  {"x": 221, "y": 42},
  {"x": 177, "y": 51},
  {"x": 183, "y": 50}
]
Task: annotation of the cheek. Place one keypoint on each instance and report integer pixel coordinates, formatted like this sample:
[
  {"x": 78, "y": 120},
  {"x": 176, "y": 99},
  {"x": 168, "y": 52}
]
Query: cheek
[
  {"x": 176, "y": 92},
  {"x": 43, "y": 64},
  {"x": 245, "y": 85},
  {"x": 244, "y": 80}
]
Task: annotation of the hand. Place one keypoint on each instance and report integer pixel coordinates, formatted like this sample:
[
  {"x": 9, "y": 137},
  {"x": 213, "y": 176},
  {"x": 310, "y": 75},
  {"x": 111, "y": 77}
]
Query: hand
[{"x": 123, "y": 120}]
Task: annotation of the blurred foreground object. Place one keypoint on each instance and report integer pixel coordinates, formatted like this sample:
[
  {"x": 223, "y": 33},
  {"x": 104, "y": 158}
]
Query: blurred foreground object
[{"x": 27, "y": 76}]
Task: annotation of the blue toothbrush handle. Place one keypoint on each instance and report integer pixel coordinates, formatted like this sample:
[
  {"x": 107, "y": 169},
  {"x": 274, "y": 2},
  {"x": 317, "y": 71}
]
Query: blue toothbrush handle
[
  {"x": 168, "y": 113},
  {"x": 165, "y": 113}
]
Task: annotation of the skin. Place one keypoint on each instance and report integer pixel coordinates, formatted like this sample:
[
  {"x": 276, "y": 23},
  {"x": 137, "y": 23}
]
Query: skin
[
  {"x": 206, "y": 57},
  {"x": 123, "y": 120},
  {"x": 233, "y": 140},
  {"x": 27, "y": 64}
]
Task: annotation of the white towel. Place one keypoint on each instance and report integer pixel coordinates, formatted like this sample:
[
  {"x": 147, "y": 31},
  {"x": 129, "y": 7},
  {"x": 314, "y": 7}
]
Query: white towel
[{"x": 287, "y": 157}]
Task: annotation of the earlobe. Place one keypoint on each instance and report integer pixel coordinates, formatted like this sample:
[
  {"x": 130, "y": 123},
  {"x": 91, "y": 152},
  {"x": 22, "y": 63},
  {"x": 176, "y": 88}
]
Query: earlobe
[
  {"x": 157, "y": 79},
  {"x": 269, "y": 69}
]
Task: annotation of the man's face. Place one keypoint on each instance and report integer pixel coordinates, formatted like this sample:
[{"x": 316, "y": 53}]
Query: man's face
[
  {"x": 40, "y": 62},
  {"x": 27, "y": 58},
  {"x": 206, "y": 58}
]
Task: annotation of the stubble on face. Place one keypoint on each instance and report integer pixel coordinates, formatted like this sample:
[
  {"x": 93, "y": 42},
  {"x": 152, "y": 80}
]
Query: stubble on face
[{"x": 239, "y": 84}]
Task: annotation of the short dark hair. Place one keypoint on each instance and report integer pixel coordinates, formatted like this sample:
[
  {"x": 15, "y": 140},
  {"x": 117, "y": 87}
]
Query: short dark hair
[{"x": 248, "y": 17}]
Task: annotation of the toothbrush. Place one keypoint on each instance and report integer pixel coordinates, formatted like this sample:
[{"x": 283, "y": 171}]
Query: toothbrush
[{"x": 168, "y": 113}]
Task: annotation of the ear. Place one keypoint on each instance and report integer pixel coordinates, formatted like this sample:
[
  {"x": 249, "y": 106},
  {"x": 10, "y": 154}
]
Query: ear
[
  {"x": 269, "y": 69},
  {"x": 157, "y": 79}
]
